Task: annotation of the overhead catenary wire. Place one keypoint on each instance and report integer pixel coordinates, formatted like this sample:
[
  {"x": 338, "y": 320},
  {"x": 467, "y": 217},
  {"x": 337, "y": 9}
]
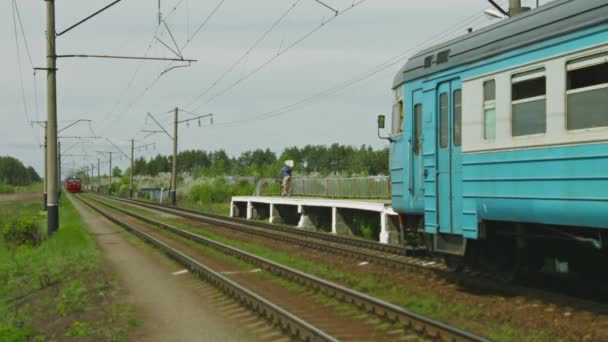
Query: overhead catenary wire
[
  {"x": 255, "y": 44},
  {"x": 369, "y": 73},
  {"x": 114, "y": 113},
  {"x": 203, "y": 24},
  {"x": 16, "y": 17},
  {"x": 281, "y": 52}
]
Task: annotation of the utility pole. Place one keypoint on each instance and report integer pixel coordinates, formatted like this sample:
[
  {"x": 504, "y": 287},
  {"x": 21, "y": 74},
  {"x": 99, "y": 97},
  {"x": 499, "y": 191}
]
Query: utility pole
[
  {"x": 51, "y": 127},
  {"x": 515, "y": 8},
  {"x": 58, "y": 169},
  {"x": 92, "y": 175},
  {"x": 176, "y": 122},
  {"x": 174, "y": 169},
  {"x": 132, "y": 169},
  {"x": 46, "y": 169},
  {"x": 110, "y": 187},
  {"x": 98, "y": 175}
]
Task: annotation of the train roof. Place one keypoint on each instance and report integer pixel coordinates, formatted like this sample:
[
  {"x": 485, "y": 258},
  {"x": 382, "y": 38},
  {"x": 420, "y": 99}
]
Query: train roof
[{"x": 554, "y": 19}]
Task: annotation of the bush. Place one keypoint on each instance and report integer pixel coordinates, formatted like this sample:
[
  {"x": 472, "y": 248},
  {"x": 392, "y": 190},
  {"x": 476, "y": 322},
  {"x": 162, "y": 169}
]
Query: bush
[
  {"x": 123, "y": 191},
  {"x": 220, "y": 191},
  {"x": 22, "y": 230}
]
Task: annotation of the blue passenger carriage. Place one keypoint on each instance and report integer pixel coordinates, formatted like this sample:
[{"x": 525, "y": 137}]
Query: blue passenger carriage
[{"x": 499, "y": 141}]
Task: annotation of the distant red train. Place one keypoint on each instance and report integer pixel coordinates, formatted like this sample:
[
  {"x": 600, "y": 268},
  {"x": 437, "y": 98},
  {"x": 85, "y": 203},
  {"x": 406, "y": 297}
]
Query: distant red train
[{"x": 73, "y": 184}]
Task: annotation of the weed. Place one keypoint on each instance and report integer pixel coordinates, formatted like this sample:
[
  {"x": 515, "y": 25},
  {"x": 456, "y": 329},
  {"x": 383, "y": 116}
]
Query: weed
[
  {"x": 72, "y": 298},
  {"x": 79, "y": 329},
  {"x": 22, "y": 230}
]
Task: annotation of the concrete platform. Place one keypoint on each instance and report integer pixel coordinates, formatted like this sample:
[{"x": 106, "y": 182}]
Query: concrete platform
[{"x": 331, "y": 215}]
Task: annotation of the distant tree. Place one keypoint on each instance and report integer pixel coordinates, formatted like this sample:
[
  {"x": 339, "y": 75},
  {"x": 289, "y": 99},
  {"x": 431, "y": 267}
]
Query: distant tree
[
  {"x": 13, "y": 172},
  {"x": 116, "y": 172}
]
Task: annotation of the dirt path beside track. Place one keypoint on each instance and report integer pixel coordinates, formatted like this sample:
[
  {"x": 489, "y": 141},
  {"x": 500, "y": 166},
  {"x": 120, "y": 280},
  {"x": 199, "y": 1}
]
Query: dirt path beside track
[{"x": 172, "y": 304}]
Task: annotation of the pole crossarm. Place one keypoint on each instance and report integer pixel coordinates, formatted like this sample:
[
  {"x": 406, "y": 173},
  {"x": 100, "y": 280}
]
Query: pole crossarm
[
  {"x": 72, "y": 124},
  {"x": 128, "y": 57},
  {"x": 144, "y": 146},
  {"x": 497, "y": 6},
  {"x": 88, "y": 18},
  {"x": 161, "y": 126},
  {"x": 41, "y": 123},
  {"x": 118, "y": 149},
  {"x": 196, "y": 118},
  {"x": 76, "y": 137}
]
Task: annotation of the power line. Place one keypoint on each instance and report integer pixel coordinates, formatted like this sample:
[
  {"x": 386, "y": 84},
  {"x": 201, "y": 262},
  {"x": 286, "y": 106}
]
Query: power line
[
  {"x": 282, "y": 52},
  {"x": 246, "y": 54},
  {"x": 114, "y": 113},
  {"x": 202, "y": 25},
  {"x": 18, "y": 50},
  {"x": 343, "y": 85}
]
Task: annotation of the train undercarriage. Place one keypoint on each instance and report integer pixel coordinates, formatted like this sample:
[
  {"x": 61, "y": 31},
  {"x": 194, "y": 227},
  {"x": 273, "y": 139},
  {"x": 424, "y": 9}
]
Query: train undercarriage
[{"x": 518, "y": 250}]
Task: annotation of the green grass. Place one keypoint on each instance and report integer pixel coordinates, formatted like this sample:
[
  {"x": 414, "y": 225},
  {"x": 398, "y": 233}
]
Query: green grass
[
  {"x": 54, "y": 280},
  {"x": 418, "y": 300},
  {"x": 213, "y": 208},
  {"x": 6, "y": 189}
]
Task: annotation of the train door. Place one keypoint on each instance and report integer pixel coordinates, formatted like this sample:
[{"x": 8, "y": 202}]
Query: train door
[
  {"x": 416, "y": 181},
  {"x": 449, "y": 157}
]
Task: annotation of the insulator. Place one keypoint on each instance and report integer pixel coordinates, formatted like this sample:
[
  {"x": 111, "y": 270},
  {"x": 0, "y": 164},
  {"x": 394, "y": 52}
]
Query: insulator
[{"x": 199, "y": 122}]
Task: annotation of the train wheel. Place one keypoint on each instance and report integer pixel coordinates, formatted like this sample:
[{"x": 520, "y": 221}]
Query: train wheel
[{"x": 454, "y": 263}]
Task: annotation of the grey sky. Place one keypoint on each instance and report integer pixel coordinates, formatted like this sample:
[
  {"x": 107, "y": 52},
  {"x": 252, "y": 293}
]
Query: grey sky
[{"x": 346, "y": 47}]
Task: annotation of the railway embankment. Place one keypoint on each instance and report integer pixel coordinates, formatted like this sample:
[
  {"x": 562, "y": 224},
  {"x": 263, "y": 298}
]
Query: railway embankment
[
  {"x": 490, "y": 313},
  {"x": 56, "y": 288}
]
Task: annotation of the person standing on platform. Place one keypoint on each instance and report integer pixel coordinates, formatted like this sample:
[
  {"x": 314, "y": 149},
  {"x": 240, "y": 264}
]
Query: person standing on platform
[{"x": 286, "y": 171}]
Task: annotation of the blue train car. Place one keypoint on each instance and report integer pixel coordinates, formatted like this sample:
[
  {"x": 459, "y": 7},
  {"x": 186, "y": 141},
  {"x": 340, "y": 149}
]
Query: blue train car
[{"x": 499, "y": 141}]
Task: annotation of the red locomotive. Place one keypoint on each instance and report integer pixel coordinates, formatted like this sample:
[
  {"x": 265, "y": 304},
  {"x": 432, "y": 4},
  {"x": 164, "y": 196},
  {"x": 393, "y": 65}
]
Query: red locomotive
[{"x": 73, "y": 184}]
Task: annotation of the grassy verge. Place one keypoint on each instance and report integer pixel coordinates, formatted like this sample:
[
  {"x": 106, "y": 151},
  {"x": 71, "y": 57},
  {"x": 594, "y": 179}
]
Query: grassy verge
[
  {"x": 213, "y": 208},
  {"x": 418, "y": 300},
  {"x": 58, "y": 289}
]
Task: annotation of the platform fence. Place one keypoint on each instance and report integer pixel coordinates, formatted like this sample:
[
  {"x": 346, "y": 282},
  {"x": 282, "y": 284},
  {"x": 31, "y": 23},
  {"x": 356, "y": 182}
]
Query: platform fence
[{"x": 377, "y": 187}]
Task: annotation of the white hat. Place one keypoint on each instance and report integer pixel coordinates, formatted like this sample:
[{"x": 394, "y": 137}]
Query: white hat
[{"x": 289, "y": 163}]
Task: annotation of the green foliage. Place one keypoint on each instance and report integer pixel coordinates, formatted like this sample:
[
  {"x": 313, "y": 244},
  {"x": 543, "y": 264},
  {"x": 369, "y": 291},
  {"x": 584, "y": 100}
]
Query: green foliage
[
  {"x": 22, "y": 230},
  {"x": 74, "y": 297},
  {"x": 6, "y": 189},
  {"x": 79, "y": 329},
  {"x": 219, "y": 191},
  {"x": 28, "y": 269},
  {"x": 116, "y": 172},
  {"x": 11, "y": 332},
  {"x": 13, "y": 172},
  {"x": 319, "y": 159},
  {"x": 123, "y": 190}
]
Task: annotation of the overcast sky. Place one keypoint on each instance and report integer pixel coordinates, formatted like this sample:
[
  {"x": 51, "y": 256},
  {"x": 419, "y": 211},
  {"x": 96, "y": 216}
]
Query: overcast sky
[{"x": 117, "y": 94}]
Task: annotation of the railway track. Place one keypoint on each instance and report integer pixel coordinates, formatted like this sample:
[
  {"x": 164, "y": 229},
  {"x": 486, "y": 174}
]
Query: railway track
[
  {"x": 377, "y": 253},
  {"x": 413, "y": 325}
]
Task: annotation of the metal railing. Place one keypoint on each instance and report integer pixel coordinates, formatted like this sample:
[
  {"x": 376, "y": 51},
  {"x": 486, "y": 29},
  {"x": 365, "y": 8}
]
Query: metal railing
[{"x": 377, "y": 187}]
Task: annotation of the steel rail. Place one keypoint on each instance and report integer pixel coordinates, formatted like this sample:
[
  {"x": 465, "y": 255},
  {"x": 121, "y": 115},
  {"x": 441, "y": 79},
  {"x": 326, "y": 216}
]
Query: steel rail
[
  {"x": 338, "y": 248},
  {"x": 469, "y": 278},
  {"x": 353, "y": 241},
  {"x": 393, "y": 313},
  {"x": 289, "y": 323}
]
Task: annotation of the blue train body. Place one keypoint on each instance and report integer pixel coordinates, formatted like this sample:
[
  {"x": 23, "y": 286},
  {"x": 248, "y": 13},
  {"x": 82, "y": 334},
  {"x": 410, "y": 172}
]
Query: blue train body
[{"x": 507, "y": 124}]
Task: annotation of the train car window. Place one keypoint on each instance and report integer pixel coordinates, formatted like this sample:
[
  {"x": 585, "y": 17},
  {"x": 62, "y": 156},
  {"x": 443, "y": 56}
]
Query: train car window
[
  {"x": 418, "y": 128},
  {"x": 398, "y": 118},
  {"x": 458, "y": 117},
  {"x": 489, "y": 109},
  {"x": 528, "y": 103},
  {"x": 443, "y": 120},
  {"x": 587, "y": 92}
]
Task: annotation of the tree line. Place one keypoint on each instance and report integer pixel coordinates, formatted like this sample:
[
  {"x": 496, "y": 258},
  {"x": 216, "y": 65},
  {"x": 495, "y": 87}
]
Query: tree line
[
  {"x": 312, "y": 159},
  {"x": 13, "y": 172}
]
